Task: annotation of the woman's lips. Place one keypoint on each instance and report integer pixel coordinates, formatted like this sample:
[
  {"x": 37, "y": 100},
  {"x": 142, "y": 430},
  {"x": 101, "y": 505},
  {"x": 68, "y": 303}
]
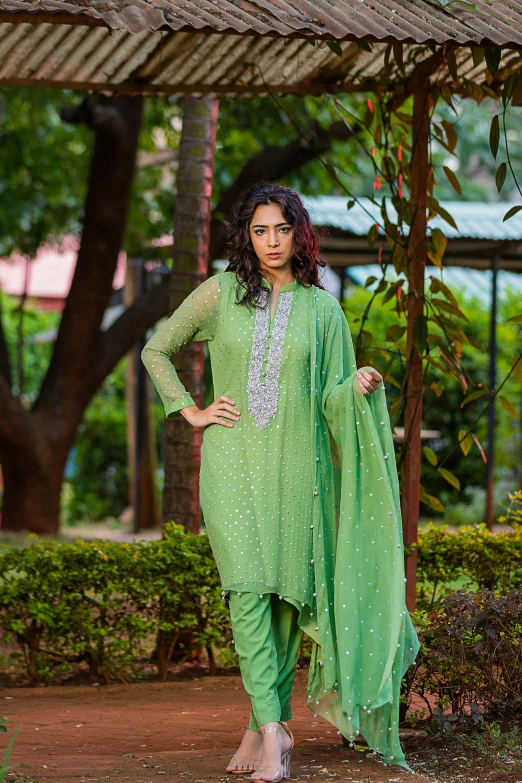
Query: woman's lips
[{"x": 274, "y": 255}]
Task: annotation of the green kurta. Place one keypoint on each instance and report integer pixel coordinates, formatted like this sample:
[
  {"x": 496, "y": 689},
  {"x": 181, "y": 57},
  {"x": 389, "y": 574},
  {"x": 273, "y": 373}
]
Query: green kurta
[{"x": 300, "y": 497}]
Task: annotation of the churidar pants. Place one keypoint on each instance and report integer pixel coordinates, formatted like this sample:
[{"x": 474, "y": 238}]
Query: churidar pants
[{"x": 267, "y": 640}]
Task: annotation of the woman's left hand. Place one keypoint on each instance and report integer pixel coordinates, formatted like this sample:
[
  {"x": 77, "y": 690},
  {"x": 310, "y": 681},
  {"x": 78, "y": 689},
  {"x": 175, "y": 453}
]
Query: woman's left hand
[{"x": 369, "y": 380}]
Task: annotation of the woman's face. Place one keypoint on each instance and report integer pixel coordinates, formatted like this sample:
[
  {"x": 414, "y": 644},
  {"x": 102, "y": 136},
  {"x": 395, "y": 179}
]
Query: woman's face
[{"x": 272, "y": 238}]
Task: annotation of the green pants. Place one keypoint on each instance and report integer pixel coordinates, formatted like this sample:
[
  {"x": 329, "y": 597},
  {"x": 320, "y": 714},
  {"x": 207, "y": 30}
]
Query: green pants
[{"x": 267, "y": 640}]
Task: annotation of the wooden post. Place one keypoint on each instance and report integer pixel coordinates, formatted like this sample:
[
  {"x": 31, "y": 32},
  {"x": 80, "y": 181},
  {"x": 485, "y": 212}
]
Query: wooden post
[
  {"x": 490, "y": 465},
  {"x": 414, "y": 385},
  {"x": 181, "y": 455}
]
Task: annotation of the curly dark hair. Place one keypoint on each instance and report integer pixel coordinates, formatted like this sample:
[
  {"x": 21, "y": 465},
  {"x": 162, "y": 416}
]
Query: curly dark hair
[{"x": 242, "y": 258}]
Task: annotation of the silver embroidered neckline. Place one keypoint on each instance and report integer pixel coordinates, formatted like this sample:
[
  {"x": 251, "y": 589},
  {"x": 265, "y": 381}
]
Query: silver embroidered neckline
[{"x": 262, "y": 398}]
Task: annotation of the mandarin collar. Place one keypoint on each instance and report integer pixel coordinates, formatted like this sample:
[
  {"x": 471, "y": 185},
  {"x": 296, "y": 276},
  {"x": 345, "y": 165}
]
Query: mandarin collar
[{"x": 286, "y": 287}]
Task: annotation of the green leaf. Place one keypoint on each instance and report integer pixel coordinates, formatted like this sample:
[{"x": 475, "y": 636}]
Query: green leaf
[
  {"x": 450, "y": 308},
  {"x": 420, "y": 333},
  {"x": 516, "y": 365},
  {"x": 477, "y": 53},
  {"x": 451, "y": 134},
  {"x": 436, "y": 504},
  {"x": 474, "y": 396},
  {"x": 436, "y": 388},
  {"x": 430, "y": 500},
  {"x": 494, "y": 135},
  {"x": 511, "y": 212},
  {"x": 514, "y": 319},
  {"x": 450, "y": 477},
  {"x": 509, "y": 407},
  {"x": 500, "y": 176},
  {"x": 445, "y": 216},
  {"x": 437, "y": 286},
  {"x": 372, "y": 234},
  {"x": 350, "y": 203},
  {"x": 365, "y": 46},
  {"x": 465, "y": 441},
  {"x": 335, "y": 47},
  {"x": 509, "y": 87},
  {"x": 493, "y": 55},
  {"x": 452, "y": 65},
  {"x": 394, "y": 333},
  {"x": 430, "y": 455},
  {"x": 440, "y": 241},
  {"x": 455, "y": 184},
  {"x": 398, "y": 55}
]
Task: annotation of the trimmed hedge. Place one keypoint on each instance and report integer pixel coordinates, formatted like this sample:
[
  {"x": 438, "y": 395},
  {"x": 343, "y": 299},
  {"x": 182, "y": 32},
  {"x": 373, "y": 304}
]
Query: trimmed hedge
[
  {"x": 470, "y": 557},
  {"x": 101, "y": 602},
  {"x": 107, "y": 604}
]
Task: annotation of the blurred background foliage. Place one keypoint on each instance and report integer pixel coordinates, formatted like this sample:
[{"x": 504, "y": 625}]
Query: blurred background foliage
[{"x": 43, "y": 176}]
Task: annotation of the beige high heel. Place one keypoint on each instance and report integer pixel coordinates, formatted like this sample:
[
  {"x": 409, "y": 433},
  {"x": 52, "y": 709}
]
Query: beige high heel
[
  {"x": 244, "y": 761},
  {"x": 283, "y": 773}
]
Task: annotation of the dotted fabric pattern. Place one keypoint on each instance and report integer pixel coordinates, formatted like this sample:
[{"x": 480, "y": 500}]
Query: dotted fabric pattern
[{"x": 307, "y": 506}]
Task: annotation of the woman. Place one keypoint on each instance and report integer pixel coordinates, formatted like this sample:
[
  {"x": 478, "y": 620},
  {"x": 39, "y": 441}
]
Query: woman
[{"x": 301, "y": 501}]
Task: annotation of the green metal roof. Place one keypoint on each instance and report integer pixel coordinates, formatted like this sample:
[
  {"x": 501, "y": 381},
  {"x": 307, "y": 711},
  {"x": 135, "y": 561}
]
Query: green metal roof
[{"x": 474, "y": 219}]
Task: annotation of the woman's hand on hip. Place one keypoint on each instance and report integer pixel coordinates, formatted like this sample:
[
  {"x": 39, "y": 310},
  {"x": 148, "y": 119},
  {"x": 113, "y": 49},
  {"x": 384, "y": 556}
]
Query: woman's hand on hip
[
  {"x": 369, "y": 380},
  {"x": 218, "y": 412}
]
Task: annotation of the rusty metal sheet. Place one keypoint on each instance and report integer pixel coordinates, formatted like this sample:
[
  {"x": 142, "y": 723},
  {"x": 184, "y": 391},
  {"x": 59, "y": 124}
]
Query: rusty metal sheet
[
  {"x": 497, "y": 22},
  {"x": 56, "y": 52}
]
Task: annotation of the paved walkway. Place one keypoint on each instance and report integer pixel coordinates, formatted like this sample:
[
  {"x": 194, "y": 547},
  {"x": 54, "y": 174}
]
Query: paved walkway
[{"x": 165, "y": 732}]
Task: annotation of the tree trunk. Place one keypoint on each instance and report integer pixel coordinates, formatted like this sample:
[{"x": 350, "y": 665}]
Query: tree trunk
[
  {"x": 143, "y": 496},
  {"x": 34, "y": 444},
  {"x": 414, "y": 380},
  {"x": 191, "y": 246},
  {"x": 32, "y": 489}
]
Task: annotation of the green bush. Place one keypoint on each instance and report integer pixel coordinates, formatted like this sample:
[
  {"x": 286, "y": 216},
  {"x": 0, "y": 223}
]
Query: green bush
[
  {"x": 101, "y": 602},
  {"x": 470, "y": 557},
  {"x": 97, "y": 474},
  {"x": 108, "y": 604}
]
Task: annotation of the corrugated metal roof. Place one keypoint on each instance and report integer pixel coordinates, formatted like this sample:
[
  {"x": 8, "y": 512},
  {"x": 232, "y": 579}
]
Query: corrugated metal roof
[
  {"x": 238, "y": 47},
  {"x": 472, "y": 283},
  {"x": 414, "y": 21},
  {"x": 180, "y": 63},
  {"x": 475, "y": 220}
]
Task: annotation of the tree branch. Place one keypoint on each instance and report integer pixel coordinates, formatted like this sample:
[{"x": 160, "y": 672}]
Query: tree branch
[
  {"x": 99, "y": 117},
  {"x": 110, "y": 183},
  {"x": 123, "y": 334}
]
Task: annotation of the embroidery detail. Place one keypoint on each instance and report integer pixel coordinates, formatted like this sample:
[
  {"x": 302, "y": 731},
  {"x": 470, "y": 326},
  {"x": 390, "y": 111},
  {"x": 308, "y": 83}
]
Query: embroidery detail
[{"x": 262, "y": 398}]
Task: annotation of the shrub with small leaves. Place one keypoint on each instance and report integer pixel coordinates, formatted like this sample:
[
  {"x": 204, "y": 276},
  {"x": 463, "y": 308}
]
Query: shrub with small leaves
[{"x": 470, "y": 657}]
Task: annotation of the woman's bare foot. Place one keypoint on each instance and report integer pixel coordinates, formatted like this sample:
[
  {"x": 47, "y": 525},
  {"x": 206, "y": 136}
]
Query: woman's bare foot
[
  {"x": 246, "y": 759},
  {"x": 276, "y": 742}
]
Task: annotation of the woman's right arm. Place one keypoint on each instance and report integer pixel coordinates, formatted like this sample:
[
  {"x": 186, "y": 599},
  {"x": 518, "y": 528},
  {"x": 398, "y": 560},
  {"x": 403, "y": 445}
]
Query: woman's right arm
[{"x": 195, "y": 319}]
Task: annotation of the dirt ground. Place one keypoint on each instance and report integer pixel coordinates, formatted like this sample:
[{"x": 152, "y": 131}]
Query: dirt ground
[
  {"x": 164, "y": 732},
  {"x": 188, "y": 730}
]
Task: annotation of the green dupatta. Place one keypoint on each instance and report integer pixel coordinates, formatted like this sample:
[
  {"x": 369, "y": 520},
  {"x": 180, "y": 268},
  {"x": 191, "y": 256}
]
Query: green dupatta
[{"x": 363, "y": 637}]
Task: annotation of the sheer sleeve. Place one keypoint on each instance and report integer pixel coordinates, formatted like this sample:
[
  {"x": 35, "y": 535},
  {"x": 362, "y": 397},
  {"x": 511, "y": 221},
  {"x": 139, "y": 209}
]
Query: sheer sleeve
[{"x": 195, "y": 319}]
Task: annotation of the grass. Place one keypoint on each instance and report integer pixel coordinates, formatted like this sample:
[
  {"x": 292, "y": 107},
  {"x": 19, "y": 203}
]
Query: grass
[{"x": 501, "y": 749}]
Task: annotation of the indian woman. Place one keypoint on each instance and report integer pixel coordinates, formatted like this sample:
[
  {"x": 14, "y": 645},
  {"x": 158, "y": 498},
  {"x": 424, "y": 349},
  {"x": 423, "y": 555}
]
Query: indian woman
[{"x": 298, "y": 486}]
